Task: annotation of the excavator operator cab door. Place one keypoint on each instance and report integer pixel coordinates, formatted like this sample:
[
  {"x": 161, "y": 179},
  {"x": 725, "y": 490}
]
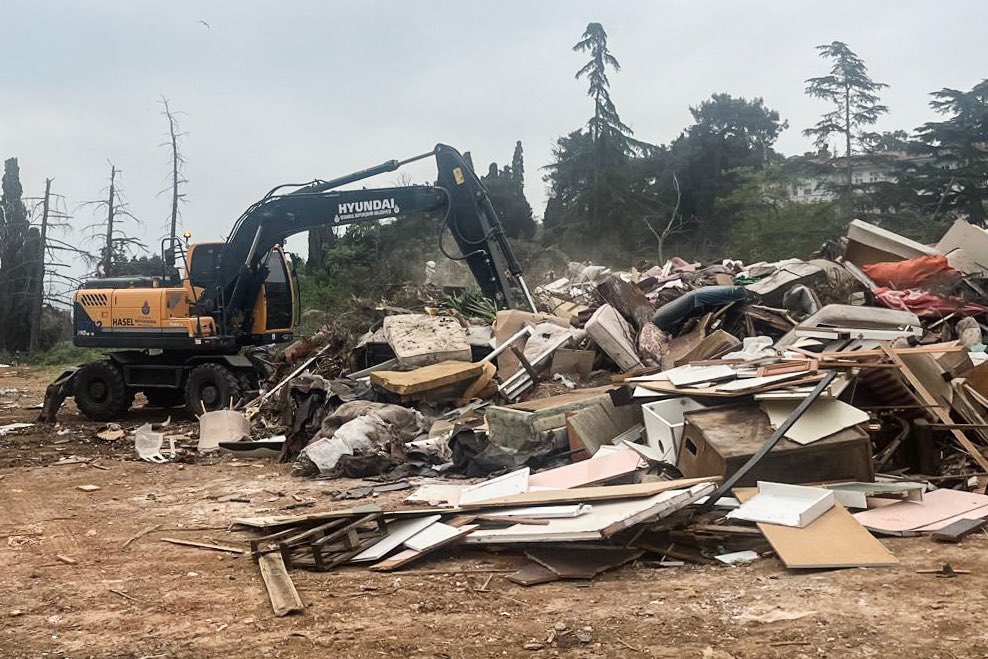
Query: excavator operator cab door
[{"x": 277, "y": 307}]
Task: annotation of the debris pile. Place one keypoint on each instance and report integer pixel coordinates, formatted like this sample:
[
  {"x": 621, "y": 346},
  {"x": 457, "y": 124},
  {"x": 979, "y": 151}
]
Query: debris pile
[{"x": 674, "y": 413}]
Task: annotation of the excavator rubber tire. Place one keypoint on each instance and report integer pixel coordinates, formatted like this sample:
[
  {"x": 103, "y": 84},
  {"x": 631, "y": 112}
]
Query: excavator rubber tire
[
  {"x": 211, "y": 387},
  {"x": 164, "y": 398},
  {"x": 100, "y": 392}
]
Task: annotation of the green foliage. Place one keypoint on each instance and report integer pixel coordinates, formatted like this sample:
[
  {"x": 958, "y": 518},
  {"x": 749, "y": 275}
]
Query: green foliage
[
  {"x": 148, "y": 266},
  {"x": 505, "y": 188},
  {"x": 768, "y": 225},
  {"x": 62, "y": 354},
  {"x": 471, "y": 303},
  {"x": 954, "y": 175}
]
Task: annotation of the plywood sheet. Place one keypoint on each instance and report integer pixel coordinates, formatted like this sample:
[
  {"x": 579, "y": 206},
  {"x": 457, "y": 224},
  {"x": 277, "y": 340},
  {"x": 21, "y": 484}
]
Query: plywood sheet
[
  {"x": 592, "y": 494},
  {"x": 602, "y": 521},
  {"x": 834, "y": 540},
  {"x": 912, "y": 516}
]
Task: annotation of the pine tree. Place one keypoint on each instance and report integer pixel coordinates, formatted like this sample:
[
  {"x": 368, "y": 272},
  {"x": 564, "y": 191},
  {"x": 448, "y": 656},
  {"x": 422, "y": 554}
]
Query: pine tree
[
  {"x": 606, "y": 124},
  {"x": 518, "y": 167},
  {"x": 856, "y": 105}
]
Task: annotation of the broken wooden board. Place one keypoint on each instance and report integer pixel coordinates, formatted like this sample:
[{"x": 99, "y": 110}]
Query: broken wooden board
[
  {"x": 403, "y": 558},
  {"x": 276, "y": 521},
  {"x": 398, "y": 532},
  {"x": 508, "y": 323},
  {"x": 575, "y": 562},
  {"x": 928, "y": 398},
  {"x": 834, "y": 540},
  {"x": 937, "y": 509},
  {"x": 592, "y": 494},
  {"x": 426, "y": 378},
  {"x": 205, "y": 545},
  {"x": 603, "y": 521},
  {"x": 588, "y": 472},
  {"x": 569, "y": 360},
  {"x": 716, "y": 392},
  {"x": 957, "y": 531},
  {"x": 532, "y": 575},
  {"x": 281, "y": 589}
]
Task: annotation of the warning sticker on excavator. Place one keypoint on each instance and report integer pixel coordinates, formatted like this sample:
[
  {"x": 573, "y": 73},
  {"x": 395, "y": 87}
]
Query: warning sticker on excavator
[{"x": 458, "y": 175}]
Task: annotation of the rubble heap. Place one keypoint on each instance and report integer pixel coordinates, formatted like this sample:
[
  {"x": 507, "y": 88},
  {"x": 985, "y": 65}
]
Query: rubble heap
[{"x": 678, "y": 412}]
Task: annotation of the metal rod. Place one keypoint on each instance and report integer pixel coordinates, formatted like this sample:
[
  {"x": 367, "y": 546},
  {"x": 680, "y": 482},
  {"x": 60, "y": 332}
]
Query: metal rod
[{"x": 769, "y": 444}]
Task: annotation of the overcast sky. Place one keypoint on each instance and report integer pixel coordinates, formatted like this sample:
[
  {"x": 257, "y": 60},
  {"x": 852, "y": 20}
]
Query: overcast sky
[{"x": 275, "y": 92}]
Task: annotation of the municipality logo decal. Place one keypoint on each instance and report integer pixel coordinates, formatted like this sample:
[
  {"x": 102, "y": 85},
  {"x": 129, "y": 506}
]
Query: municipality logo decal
[
  {"x": 146, "y": 309},
  {"x": 356, "y": 210}
]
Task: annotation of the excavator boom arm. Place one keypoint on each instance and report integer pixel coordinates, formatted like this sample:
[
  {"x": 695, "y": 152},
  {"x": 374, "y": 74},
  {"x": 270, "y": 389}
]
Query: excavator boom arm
[{"x": 458, "y": 199}]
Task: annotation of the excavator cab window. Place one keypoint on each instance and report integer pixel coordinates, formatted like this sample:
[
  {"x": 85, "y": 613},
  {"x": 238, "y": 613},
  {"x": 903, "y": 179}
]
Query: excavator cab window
[
  {"x": 202, "y": 264},
  {"x": 278, "y": 291}
]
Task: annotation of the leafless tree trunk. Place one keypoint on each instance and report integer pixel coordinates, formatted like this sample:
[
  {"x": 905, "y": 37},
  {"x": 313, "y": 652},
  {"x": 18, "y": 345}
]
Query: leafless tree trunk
[
  {"x": 37, "y": 299},
  {"x": 107, "y": 261},
  {"x": 177, "y": 179}
]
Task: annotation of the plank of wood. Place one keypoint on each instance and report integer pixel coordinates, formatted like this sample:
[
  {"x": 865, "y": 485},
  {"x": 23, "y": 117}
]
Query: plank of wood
[
  {"x": 205, "y": 545},
  {"x": 935, "y": 407},
  {"x": 833, "y": 540},
  {"x": 532, "y": 574},
  {"x": 589, "y": 494},
  {"x": 281, "y": 589},
  {"x": 411, "y": 555},
  {"x": 958, "y": 530}
]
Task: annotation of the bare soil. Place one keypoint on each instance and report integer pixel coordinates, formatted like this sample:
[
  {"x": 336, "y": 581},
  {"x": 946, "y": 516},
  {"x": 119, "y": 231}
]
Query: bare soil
[{"x": 71, "y": 589}]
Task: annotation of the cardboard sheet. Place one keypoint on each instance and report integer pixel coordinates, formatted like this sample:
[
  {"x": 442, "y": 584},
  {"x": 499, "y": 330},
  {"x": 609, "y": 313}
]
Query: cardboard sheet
[
  {"x": 823, "y": 418},
  {"x": 834, "y": 540}
]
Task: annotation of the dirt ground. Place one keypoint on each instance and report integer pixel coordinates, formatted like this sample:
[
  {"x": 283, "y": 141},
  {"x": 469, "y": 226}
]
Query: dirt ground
[{"x": 71, "y": 589}]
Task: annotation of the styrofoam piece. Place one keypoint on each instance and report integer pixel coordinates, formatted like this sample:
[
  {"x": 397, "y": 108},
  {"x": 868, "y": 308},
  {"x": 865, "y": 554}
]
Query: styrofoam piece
[
  {"x": 398, "y": 532},
  {"x": 431, "y": 535},
  {"x": 664, "y": 423},
  {"x": 606, "y": 518},
  {"x": 515, "y": 482},
  {"x": 687, "y": 375},
  {"x": 723, "y": 502},
  {"x": 785, "y": 504}
]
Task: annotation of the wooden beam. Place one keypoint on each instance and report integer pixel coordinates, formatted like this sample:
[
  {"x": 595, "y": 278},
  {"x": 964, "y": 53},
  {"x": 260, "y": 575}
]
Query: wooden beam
[{"x": 281, "y": 589}]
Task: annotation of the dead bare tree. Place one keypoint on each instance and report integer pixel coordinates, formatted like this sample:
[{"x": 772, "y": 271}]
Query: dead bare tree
[
  {"x": 676, "y": 224},
  {"x": 177, "y": 175},
  {"x": 51, "y": 287},
  {"x": 116, "y": 243}
]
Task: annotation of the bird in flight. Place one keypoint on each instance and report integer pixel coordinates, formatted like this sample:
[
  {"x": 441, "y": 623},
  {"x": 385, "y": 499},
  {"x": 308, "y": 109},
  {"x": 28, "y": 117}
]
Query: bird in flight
[{"x": 205, "y": 24}]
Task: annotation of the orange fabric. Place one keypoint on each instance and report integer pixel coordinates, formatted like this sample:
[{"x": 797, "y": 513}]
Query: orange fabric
[{"x": 906, "y": 274}]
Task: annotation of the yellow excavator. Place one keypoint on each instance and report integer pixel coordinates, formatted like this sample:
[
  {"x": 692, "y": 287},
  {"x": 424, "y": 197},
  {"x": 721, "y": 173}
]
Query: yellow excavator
[{"x": 180, "y": 338}]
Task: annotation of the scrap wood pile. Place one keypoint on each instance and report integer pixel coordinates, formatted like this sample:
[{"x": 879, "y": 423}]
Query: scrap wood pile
[{"x": 673, "y": 413}]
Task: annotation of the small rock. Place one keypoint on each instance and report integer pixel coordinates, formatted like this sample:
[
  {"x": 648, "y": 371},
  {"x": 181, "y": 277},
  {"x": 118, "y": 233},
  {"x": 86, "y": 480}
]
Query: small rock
[
  {"x": 533, "y": 645},
  {"x": 15, "y": 612},
  {"x": 559, "y": 626}
]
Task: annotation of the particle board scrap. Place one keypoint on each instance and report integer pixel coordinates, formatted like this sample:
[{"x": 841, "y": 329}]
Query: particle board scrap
[
  {"x": 603, "y": 521},
  {"x": 592, "y": 495},
  {"x": 937, "y": 509},
  {"x": 957, "y": 531},
  {"x": 532, "y": 575},
  {"x": 857, "y": 495},
  {"x": 598, "y": 424},
  {"x": 426, "y": 378},
  {"x": 508, "y": 323},
  {"x": 569, "y": 360},
  {"x": 612, "y": 333},
  {"x": 823, "y": 418},
  {"x": 398, "y": 532},
  {"x": 719, "y": 392},
  {"x": 579, "y": 562},
  {"x": 713, "y": 345},
  {"x": 588, "y": 472},
  {"x": 834, "y": 540},
  {"x": 281, "y": 589},
  {"x": 867, "y": 244},
  {"x": 403, "y": 558},
  {"x": 515, "y": 482}
]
